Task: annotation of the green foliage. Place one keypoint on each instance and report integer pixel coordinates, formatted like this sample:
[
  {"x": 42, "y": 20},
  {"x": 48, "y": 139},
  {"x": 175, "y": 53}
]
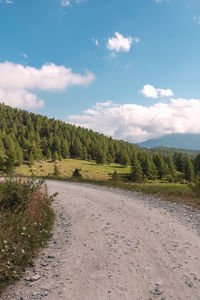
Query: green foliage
[
  {"x": 29, "y": 137},
  {"x": 15, "y": 194},
  {"x": 115, "y": 176},
  {"x": 136, "y": 171},
  {"x": 26, "y": 221},
  {"x": 196, "y": 188},
  {"x": 77, "y": 174},
  {"x": 189, "y": 170},
  {"x": 56, "y": 171}
]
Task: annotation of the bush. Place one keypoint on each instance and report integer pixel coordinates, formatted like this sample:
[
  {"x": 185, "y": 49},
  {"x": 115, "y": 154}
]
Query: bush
[
  {"x": 196, "y": 188},
  {"x": 77, "y": 174},
  {"x": 15, "y": 194},
  {"x": 115, "y": 176},
  {"x": 26, "y": 221},
  {"x": 56, "y": 171}
]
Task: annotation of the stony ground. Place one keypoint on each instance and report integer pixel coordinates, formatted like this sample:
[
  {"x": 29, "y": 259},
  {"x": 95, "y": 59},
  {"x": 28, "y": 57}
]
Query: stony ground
[{"x": 115, "y": 245}]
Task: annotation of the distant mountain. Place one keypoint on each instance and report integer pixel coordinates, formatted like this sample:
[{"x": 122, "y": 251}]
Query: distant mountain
[{"x": 179, "y": 140}]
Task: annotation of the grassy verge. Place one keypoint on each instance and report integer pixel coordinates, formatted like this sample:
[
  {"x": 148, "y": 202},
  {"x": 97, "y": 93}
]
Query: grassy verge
[{"x": 26, "y": 219}]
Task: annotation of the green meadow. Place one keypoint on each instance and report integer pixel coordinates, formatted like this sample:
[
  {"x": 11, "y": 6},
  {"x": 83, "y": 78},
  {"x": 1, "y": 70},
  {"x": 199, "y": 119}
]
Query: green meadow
[{"x": 102, "y": 175}]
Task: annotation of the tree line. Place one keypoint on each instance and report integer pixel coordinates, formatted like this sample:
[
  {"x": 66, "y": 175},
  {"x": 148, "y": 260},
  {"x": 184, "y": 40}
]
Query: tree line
[{"x": 31, "y": 137}]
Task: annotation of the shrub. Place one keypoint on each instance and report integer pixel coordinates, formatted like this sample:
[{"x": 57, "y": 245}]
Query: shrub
[
  {"x": 15, "y": 194},
  {"x": 26, "y": 221},
  {"x": 56, "y": 171},
  {"x": 196, "y": 188},
  {"x": 76, "y": 173},
  {"x": 115, "y": 176}
]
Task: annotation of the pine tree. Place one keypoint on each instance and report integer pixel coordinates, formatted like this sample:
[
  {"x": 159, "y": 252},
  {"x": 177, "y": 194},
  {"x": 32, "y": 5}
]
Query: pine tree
[
  {"x": 161, "y": 166},
  {"x": 136, "y": 170},
  {"x": 124, "y": 158},
  {"x": 148, "y": 166},
  {"x": 55, "y": 156},
  {"x": 65, "y": 149},
  {"x": 48, "y": 154},
  {"x": 56, "y": 171},
  {"x": 171, "y": 166},
  {"x": 100, "y": 157},
  {"x": 31, "y": 158},
  {"x": 189, "y": 170}
]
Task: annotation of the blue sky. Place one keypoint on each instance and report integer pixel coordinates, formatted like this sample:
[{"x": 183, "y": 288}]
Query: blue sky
[{"x": 127, "y": 68}]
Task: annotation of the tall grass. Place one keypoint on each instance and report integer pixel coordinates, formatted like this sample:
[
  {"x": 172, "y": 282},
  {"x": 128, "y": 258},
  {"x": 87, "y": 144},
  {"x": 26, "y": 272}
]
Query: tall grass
[{"x": 26, "y": 218}]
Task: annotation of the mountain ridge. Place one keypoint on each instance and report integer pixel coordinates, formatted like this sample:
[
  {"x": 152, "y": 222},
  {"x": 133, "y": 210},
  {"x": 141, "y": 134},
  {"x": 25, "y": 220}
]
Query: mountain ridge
[{"x": 184, "y": 141}]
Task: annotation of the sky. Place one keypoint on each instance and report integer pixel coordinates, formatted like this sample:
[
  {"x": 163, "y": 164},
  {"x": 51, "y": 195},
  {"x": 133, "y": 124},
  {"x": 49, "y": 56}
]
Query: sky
[{"x": 127, "y": 68}]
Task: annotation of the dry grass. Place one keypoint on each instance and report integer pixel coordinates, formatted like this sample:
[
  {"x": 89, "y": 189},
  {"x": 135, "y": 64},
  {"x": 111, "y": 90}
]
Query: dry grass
[{"x": 22, "y": 232}]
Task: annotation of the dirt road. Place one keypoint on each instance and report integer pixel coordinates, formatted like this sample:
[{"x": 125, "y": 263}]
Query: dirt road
[{"x": 110, "y": 244}]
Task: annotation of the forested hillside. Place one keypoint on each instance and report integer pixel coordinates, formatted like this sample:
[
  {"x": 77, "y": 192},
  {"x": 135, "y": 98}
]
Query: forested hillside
[
  {"x": 171, "y": 150},
  {"x": 29, "y": 137}
]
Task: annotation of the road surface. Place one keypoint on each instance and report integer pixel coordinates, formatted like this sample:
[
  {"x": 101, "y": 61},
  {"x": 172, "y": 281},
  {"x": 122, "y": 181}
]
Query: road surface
[{"x": 115, "y": 245}]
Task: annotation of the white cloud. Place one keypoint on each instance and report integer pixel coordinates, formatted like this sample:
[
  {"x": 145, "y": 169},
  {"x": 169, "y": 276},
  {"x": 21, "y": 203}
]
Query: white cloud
[
  {"x": 137, "y": 123},
  {"x": 150, "y": 91},
  {"x": 119, "y": 43},
  {"x": 95, "y": 41},
  {"x": 24, "y": 55},
  {"x": 19, "y": 84},
  {"x": 6, "y": 1},
  {"x": 158, "y": 1},
  {"x": 66, "y": 3}
]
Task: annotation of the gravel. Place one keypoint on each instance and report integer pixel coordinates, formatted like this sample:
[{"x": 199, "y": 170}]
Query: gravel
[{"x": 115, "y": 245}]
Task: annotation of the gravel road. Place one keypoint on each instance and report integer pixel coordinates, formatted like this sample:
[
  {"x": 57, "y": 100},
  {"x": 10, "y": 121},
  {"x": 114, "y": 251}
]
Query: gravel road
[{"x": 114, "y": 245}]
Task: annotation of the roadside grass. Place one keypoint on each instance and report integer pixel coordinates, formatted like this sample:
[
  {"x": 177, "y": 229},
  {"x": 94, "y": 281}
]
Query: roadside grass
[
  {"x": 102, "y": 175},
  {"x": 26, "y": 219}
]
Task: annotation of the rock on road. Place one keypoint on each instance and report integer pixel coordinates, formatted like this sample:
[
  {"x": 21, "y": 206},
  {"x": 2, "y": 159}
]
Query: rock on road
[{"x": 115, "y": 245}]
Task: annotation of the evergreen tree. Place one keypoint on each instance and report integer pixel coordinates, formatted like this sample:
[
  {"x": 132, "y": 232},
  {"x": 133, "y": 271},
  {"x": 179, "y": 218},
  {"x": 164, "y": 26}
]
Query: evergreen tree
[
  {"x": 124, "y": 158},
  {"x": 55, "y": 156},
  {"x": 171, "y": 166},
  {"x": 136, "y": 170},
  {"x": 100, "y": 157},
  {"x": 189, "y": 170},
  {"x": 56, "y": 171},
  {"x": 48, "y": 154},
  {"x": 65, "y": 149},
  {"x": 148, "y": 166},
  {"x": 161, "y": 166},
  {"x": 197, "y": 164}
]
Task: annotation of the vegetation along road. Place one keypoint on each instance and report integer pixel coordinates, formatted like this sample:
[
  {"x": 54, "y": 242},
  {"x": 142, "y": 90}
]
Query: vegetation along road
[{"x": 112, "y": 244}]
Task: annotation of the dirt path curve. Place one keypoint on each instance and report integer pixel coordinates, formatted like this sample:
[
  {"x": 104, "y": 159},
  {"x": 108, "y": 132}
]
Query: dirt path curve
[{"x": 115, "y": 245}]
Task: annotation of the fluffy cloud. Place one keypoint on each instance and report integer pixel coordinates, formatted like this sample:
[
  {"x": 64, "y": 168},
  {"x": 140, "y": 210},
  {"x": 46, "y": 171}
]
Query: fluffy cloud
[
  {"x": 19, "y": 84},
  {"x": 119, "y": 43},
  {"x": 150, "y": 91},
  {"x": 137, "y": 123},
  {"x": 6, "y": 1},
  {"x": 69, "y": 2}
]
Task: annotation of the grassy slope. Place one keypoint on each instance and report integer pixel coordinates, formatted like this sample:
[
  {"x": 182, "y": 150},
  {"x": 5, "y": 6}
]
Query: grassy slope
[
  {"x": 89, "y": 169},
  {"x": 101, "y": 174}
]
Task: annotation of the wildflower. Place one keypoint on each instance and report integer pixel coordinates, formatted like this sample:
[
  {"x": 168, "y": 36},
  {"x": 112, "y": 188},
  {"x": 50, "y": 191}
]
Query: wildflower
[
  {"x": 5, "y": 242},
  {"x": 2, "y": 250},
  {"x": 22, "y": 250},
  {"x": 24, "y": 228}
]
